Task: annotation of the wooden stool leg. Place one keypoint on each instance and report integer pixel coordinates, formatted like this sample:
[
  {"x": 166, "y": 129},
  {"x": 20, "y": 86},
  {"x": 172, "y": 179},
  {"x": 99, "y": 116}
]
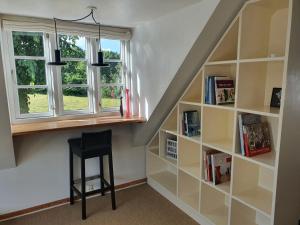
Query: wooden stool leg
[
  {"x": 101, "y": 175},
  {"x": 71, "y": 177},
  {"x": 112, "y": 183},
  {"x": 83, "y": 195}
]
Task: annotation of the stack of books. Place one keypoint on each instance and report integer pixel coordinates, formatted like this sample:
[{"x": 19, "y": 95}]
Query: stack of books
[
  {"x": 191, "y": 123},
  {"x": 217, "y": 166},
  {"x": 254, "y": 135},
  {"x": 219, "y": 90}
]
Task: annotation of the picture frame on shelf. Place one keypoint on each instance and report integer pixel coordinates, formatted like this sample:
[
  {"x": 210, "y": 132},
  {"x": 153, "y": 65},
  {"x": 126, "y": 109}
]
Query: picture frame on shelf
[{"x": 276, "y": 97}]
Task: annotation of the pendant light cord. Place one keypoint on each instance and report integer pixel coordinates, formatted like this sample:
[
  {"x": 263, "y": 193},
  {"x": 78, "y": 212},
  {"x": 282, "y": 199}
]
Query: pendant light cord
[{"x": 76, "y": 20}]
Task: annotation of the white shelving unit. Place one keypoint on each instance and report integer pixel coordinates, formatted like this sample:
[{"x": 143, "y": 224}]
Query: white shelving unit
[{"x": 254, "y": 53}]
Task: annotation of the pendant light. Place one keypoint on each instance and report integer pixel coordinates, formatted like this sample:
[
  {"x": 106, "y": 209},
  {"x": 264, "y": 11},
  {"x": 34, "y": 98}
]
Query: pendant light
[{"x": 58, "y": 62}]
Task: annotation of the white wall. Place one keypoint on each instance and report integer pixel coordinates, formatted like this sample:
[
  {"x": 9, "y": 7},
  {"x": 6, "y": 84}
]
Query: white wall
[
  {"x": 42, "y": 172},
  {"x": 158, "y": 49}
]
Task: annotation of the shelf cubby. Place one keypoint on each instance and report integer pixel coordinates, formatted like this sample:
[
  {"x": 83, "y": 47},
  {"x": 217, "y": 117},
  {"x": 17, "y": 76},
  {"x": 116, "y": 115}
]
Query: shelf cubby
[
  {"x": 163, "y": 136},
  {"x": 253, "y": 185},
  {"x": 162, "y": 172},
  {"x": 267, "y": 159},
  {"x": 242, "y": 214},
  {"x": 188, "y": 190},
  {"x": 256, "y": 82},
  {"x": 154, "y": 144},
  {"x": 188, "y": 107},
  {"x": 223, "y": 187},
  {"x": 218, "y": 129},
  {"x": 170, "y": 124},
  {"x": 214, "y": 205},
  {"x": 189, "y": 157},
  {"x": 227, "y": 48},
  {"x": 264, "y": 29},
  {"x": 194, "y": 92},
  {"x": 226, "y": 69}
]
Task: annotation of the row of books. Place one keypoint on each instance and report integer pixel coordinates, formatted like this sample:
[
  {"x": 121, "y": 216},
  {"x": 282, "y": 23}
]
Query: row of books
[
  {"x": 254, "y": 135},
  {"x": 219, "y": 90},
  {"x": 191, "y": 123},
  {"x": 217, "y": 166}
]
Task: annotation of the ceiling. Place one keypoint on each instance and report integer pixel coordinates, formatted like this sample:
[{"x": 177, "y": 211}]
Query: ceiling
[{"x": 127, "y": 13}]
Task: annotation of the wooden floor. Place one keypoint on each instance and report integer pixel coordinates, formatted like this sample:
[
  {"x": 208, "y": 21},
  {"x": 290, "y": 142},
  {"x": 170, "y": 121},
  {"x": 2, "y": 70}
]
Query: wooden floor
[{"x": 135, "y": 206}]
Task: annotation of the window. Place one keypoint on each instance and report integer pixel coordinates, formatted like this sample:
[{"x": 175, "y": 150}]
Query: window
[
  {"x": 112, "y": 82},
  {"x": 41, "y": 91},
  {"x": 30, "y": 74},
  {"x": 74, "y": 74}
]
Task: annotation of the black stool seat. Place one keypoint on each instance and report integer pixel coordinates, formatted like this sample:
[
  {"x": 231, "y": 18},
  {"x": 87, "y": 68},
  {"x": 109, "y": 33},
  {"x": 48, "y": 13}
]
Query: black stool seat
[{"x": 90, "y": 145}]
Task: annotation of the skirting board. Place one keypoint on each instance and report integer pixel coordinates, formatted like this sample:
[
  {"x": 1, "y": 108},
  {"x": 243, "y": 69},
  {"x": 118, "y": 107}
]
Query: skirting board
[
  {"x": 64, "y": 201},
  {"x": 178, "y": 203}
]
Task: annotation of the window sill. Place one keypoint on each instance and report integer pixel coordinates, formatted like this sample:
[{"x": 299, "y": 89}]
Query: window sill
[{"x": 38, "y": 127}]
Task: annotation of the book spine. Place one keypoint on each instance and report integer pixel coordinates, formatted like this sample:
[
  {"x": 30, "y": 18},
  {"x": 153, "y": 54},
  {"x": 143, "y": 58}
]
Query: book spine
[
  {"x": 246, "y": 142},
  {"x": 258, "y": 152},
  {"x": 213, "y": 90},
  {"x": 206, "y": 90},
  {"x": 213, "y": 169},
  {"x": 241, "y": 135}
]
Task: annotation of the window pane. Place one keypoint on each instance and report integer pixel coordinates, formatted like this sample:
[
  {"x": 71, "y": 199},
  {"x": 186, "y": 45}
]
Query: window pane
[
  {"x": 72, "y": 46},
  {"x": 30, "y": 72},
  {"x": 33, "y": 100},
  {"x": 111, "y": 48},
  {"x": 110, "y": 96},
  {"x": 28, "y": 44},
  {"x": 111, "y": 74},
  {"x": 75, "y": 98},
  {"x": 74, "y": 73}
]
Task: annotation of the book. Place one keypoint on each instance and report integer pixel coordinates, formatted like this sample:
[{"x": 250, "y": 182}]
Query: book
[
  {"x": 191, "y": 123},
  {"x": 224, "y": 90},
  {"x": 257, "y": 139},
  {"x": 221, "y": 168},
  {"x": 207, "y": 164},
  {"x": 246, "y": 119}
]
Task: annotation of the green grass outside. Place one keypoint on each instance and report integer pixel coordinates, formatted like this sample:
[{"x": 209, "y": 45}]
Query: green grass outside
[{"x": 39, "y": 103}]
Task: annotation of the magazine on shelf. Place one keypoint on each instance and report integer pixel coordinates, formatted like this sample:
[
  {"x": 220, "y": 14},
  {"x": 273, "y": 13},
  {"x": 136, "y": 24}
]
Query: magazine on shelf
[
  {"x": 246, "y": 119},
  {"x": 221, "y": 168},
  {"x": 224, "y": 90},
  {"x": 257, "y": 139},
  {"x": 191, "y": 123}
]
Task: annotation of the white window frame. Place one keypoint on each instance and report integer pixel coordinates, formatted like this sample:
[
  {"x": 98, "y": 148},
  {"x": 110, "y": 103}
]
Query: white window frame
[
  {"x": 15, "y": 94},
  {"x": 54, "y": 81},
  {"x": 123, "y": 78},
  {"x": 88, "y": 85}
]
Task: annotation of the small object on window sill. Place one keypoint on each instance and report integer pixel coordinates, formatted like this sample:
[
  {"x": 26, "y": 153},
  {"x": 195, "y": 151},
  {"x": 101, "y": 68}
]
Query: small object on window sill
[
  {"x": 121, "y": 106},
  {"x": 127, "y": 103}
]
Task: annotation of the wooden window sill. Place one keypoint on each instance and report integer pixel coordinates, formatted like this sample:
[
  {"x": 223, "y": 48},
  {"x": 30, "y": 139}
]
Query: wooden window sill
[{"x": 37, "y": 127}]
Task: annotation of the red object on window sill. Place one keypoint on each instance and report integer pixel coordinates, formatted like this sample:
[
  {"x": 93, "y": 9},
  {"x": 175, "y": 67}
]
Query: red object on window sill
[{"x": 128, "y": 114}]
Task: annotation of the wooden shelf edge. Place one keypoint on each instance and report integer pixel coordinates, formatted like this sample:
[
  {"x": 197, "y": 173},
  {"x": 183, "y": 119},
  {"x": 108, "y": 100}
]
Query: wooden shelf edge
[{"x": 38, "y": 127}]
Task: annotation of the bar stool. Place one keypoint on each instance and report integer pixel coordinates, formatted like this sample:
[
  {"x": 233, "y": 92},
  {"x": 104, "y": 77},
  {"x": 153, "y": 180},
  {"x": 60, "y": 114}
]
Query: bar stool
[{"x": 90, "y": 145}]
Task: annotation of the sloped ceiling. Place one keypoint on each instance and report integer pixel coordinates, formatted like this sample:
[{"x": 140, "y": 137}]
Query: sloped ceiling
[{"x": 126, "y": 13}]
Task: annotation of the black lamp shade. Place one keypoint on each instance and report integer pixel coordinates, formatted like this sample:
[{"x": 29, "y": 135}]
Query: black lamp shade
[
  {"x": 58, "y": 61},
  {"x": 100, "y": 61}
]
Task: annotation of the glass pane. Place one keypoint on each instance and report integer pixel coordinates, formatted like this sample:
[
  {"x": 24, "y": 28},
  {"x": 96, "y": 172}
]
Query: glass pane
[
  {"x": 110, "y": 97},
  {"x": 30, "y": 72},
  {"x": 75, "y": 98},
  {"x": 28, "y": 43},
  {"x": 33, "y": 100},
  {"x": 111, "y": 48},
  {"x": 72, "y": 46},
  {"x": 111, "y": 74},
  {"x": 74, "y": 73}
]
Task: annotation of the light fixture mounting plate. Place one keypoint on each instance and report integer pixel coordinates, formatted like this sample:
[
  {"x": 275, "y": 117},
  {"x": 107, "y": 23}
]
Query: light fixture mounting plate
[{"x": 91, "y": 7}]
